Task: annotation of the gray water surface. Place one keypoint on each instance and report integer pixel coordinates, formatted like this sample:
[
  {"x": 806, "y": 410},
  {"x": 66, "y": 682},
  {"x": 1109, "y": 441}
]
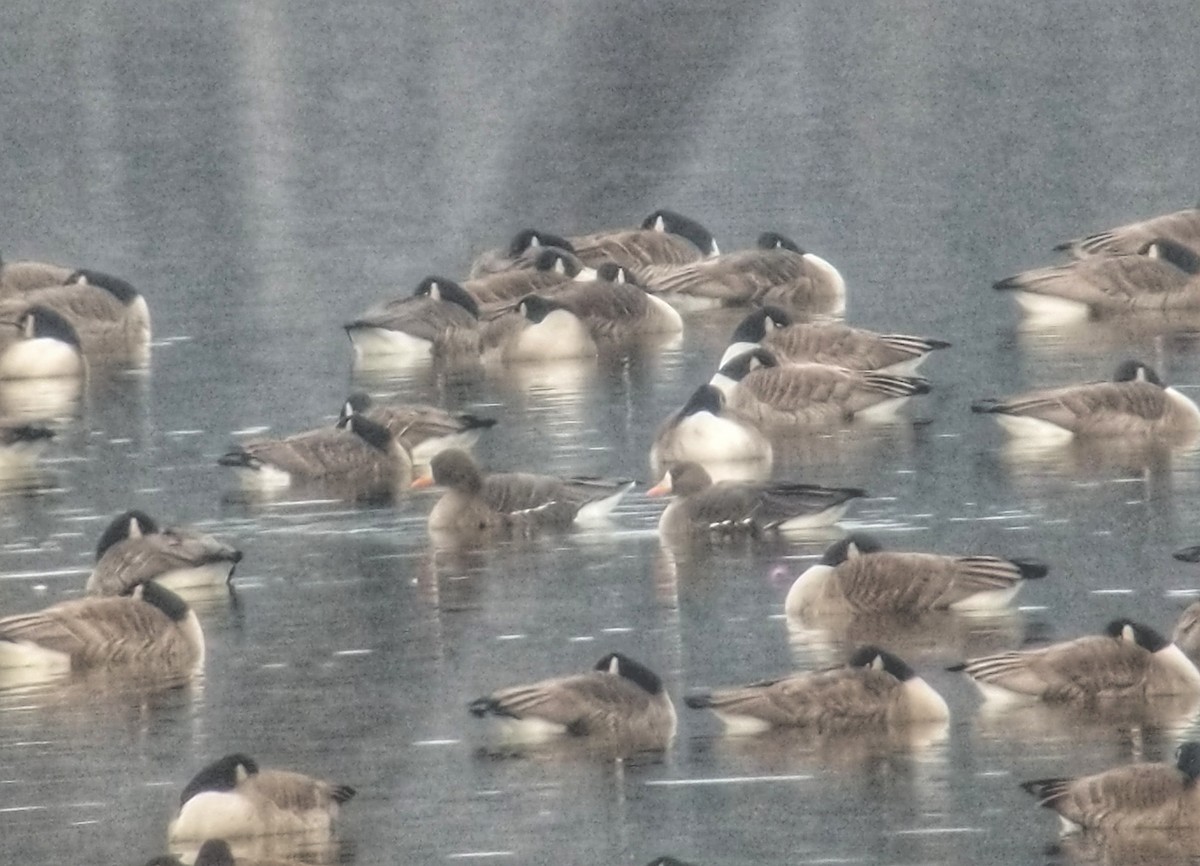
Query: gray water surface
[{"x": 265, "y": 171}]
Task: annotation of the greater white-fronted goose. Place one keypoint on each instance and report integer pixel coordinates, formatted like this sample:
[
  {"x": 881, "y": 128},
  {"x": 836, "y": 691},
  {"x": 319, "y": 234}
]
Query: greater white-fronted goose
[
  {"x": 151, "y": 630},
  {"x": 358, "y": 454},
  {"x": 810, "y": 396},
  {"x": 874, "y": 688},
  {"x": 664, "y": 238},
  {"x": 424, "y": 430},
  {"x": 439, "y": 319},
  {"x": 1134, "y": 405},
  {"x": 707, "y": 431},
  {"x": 856, "y": 575},
  {"x": 233, "y": 798},
  {"x": 828, "y": 343},
  {"x": 776, "y": 272},
  {"x": 701, "y": 506},
  {"x": 36, "y": 342},
  {"x": 1128, "y": 662},
  {"x": 109, "y": 316},
  {"x": 553, "y": 269},
  {"x": 133, "y": 549},
  {"x": 1182, "y": 227},
  {"x": 23, "y": 276},
  {"x": 1161, "y": 276},
  {"x": 521, "y": 253},
  {"x": 476, "y": 501},
  {"x": 1144, "y": 796},
  {"x": 619, "y": 699}
]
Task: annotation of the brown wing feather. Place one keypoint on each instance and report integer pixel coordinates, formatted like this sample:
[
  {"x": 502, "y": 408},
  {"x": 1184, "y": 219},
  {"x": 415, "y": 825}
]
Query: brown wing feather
[{"x": 839, "y": 698}]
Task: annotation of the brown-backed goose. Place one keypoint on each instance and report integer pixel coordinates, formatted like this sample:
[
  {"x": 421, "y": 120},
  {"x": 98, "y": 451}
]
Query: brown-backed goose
[
  {"x": 855, "y": 575},
  {"x": 553, "y": 269},
  {"x": 1135, "y": 405},
  {"x": 439, "y": 319},
  {"x": 424, "y": 430},
  {"x": 521, "y": 253},
  {"x": 476, "y": 501},
  {"x": 619, "y": 699},
  {"x": 616, "y": 308},
  {"x": 1182, "y": 227},
  {"x": 36, "y": 342},
  {"x": 233, "y": 798},
  {"x": 737, "y": 507},
  {"x": 23, "y": 276},
  {"x": 874, "y": 688},
  {"x": 664, "y": 238}
]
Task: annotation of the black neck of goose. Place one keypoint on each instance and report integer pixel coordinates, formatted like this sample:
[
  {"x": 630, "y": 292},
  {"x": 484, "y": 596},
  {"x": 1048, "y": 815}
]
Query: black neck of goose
[
  {"x": 874, "y": 657},
  {"x": 50, "y": 324},
  {"x": 120, "y": 289},
  {"x": 371, "y": 432},
  {"x": 220, "y": 775},
  {"x": 706, "y": 398},
  {"x": 744, "y": 364},
  {"x": 1177, "y": 254},
  {"x": 526, "y": 239},
  {"x": 122, "y": 526},
  {"x": 1189, "y": 760},
  {"x": 631, "y": 670},
  {"x": 678, "y": 224},
  {"x": 1144, "y": 636},
  {"x": 776, "y": 241},
  {"x": 355, "y": 404},
  {"x": 1131, "y": 370},
  {"x": 172, "y": 605},
  {"x": 753, "y": 328},
  {"x": 854, "y": 543}
]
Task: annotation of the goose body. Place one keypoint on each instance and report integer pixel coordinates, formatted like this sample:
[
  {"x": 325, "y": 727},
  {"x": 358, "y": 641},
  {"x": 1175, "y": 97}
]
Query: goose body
[
  {"x": 1128, "y": 662},
  {"x": 664, "y": 238},
  {"x": 440, "y": 319},
  {"x": 1181, "y": 227},
  {"x": 110, "y": 318},
  {"x": 1135, "y": 405},
  {"x": 539, "y": 329},
  {"x": 619, "y": 699},
  {"x": 233, "y": 798},
  {"x": 1160, "y": 277},
  {"x": 776, "y": 272},
  {"x": 424, "y": 430},
  {"x": 810, "y": 396},
  {"x": 520, "y": 254},
  {"x": 359, "y": 454},
  {"x": 133, "y": 549},
  {"x": 705, "y": 430},
  {"x": 22, "y": 276},
  {"x": 615, "y": 308},
  {"x": 475, "y": 501},
  {"x": 834, "y": 344},
  {"x": 875, "y": 688},
  {"x": 151, "y": 630},
  {"x": 553, "y": 269},
  {"x": 36, "y": 342},
  {"x": 735, "y": 507},
  {"x": 1134, "y": 797},
  {"x": 855, "y": 575}
]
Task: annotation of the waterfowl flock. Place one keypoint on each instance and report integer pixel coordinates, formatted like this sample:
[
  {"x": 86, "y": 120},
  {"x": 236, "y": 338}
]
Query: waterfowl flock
[{"x": 792, "y": 369}]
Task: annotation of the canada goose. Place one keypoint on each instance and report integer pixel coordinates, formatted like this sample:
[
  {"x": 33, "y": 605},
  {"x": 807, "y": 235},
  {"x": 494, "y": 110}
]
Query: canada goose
[
  {"x": 133, "y": 549},
  {"x": 151, "y": 629},
  {"x": 616, "y": 308},
  {"x": 553, "y": 269},
  {"x": 1135, "y": 403},
  {"x": 664, "y": 238},
  {"x": 19, "y": 277},
  {"x": 1128, "y": 662},
  {"x": 109, "y": 316},
  {"x": 438, "y": 319},
  {"x": 735, "y": 507},
  {"x": 1160, "y": 276},
  {"x": 232, "y": 798},
  {"x": 618, "y": 698},
  {"x": 776, "y": 271},
  {"x": 1182, "y": 227},
  {"x": 358, "y": 453},
  {"x": 424, "y": 430},
  {"x": 705, "y": 430},
  {"x": 38, "y": 343},
  {"x": 855, "y": 575},
  {"x": 838, "y": 345},
  {"x": 475, "y": 501},
  {"x": 521, "y": 253},
  {"x": 20, "y": 446},
  {"x": 1135, "y": 796},
  {"x": 539, "y": 329},
  {"x": 810, "y": 395},
  {"x": 873, "y": 688}
]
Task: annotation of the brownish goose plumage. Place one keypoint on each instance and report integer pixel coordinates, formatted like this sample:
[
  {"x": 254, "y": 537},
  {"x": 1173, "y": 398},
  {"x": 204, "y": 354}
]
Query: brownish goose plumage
[
  {"x": 424, "y": 430},
  {"x": 475, "y": 501},
  {"x": 23, "y": 276},
  {"x": 828, "y": 343},
  {"x": 874, "y": 688},
  {"x": 1182, "y": 227},
  {"x": 615, "y": 308},
  {"x": 618, "y": 699},
  {"x": 439, "y": 319},
  {"x": 855, "y": 575},
  {"x": 1160, "y": 276},
  {"x": 554, "y": 269},
  {"x": 776, "y": 271},
  {"x": 1135, "y": 405},
  {"x": 811, "y": 396},
  {"x": 1134, "y": 797},
  {"x": 521, "y": 253},
  {"x": 1128, "y": 662},
  {"x": 738, "y": 507},
  {"x": 664, "y": 238}
]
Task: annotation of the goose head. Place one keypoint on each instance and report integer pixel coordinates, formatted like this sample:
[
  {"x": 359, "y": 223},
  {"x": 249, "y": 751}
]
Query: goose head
[
  {"x": 669, "y": 221},
  {"x": 443, "y": 289},
  {"x": 623, "y": 666}
]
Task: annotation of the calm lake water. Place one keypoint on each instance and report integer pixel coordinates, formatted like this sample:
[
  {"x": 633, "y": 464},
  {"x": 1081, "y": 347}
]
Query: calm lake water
[{"x": 265, "y": 171}]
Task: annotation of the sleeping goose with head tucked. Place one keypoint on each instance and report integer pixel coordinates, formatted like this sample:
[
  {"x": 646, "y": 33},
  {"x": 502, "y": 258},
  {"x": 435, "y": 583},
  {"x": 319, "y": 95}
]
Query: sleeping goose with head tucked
[
  {"x": 705, "y": 430},
  {"x": 520, "y": 254},
  {"x": 1181, "y": 227},
  {"x": 439, "y": 319}
]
